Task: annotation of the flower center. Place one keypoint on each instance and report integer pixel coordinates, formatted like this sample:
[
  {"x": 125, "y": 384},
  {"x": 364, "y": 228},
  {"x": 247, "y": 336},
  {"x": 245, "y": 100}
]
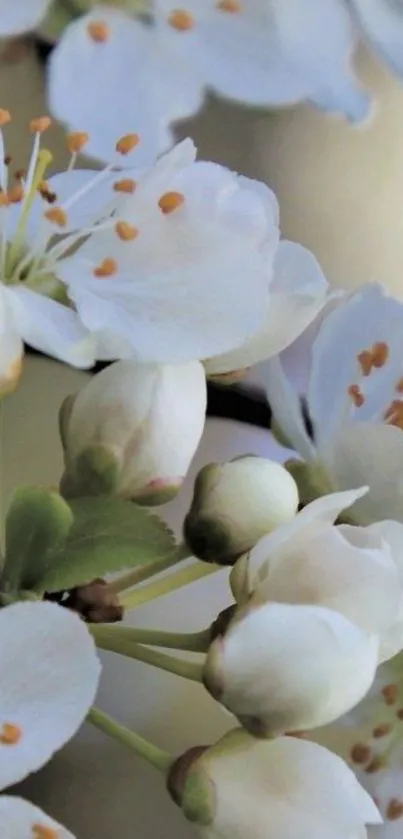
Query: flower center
[
  {"x": 370, "y": 360},
  {"x": 10, "y": 734}
]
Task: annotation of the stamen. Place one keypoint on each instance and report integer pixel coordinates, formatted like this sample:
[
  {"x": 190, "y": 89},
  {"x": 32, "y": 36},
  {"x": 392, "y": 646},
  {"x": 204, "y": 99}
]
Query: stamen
[
  {"x": 365, "y": 360},
  {"x": 5, "y": 117},
  {"x": 107, "y": 268},
  {"x": 394, "y": 809},
  {"x": 42, "y": 831},
  {"x": 98, "y": 31},
  {"x": 360, "y": 753},
  {"x": 4, "y": 199},
  {"x": 127, "y": 143},
  {"x": 126, "y": 185},
  {"x": 376, "y": 764},
  {"x": 57, "y": 216},
  {"x": 40, "y": 124},
  {"x": 126, "y": 232},
  {"x": 357, "y": 396},
  {"x": 382, "y": 730},
  {"x": 76, "y": 141},
  {"x": 232, "y": 6},
  {"x": 394, "y": 413},
  {"x": 181, "y": 20},
  {"x": 16, "y": 194},
  {"x": 399, "y": 714},
  {"x": 390, "y": 694},
  {"x": 10, "y": 734},
  {"x": 399, "y": 386},
  {"x": 170, "y": 201},
  {"x": 380, "y": 354}
]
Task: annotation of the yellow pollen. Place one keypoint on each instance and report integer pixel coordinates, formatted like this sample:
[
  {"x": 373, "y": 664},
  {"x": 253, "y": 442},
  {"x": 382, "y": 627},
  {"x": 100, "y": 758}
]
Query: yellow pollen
[
  {"x": 98, "y": 31},
  {"x": 40, "y": 124},
  {"x": 127, "y": 143},
  {"x": 380, "y": 354},
  {"x": 107, "y": 268},
  {"x": 16, "y": 194},
  {"x": 57, "y": 216},
  {"x": 126, "y": 232},
  {"x": 357, "y": 396},
  {"x": 181, "y": 20},
  {"x": 126, "y": 185},
  {"x": 4, "y": 199},
  {"x": 76, "y": 141},
  {"x": 5, "y": 117},
  {"x": 376, "y": 764},
  {"x": 390, "y": 694},
  {"x": 381, "y": 730},
  {"x": 170, "y": 201},
  {"x": 399, "y": 386},
  {"x": 365, "y": 360},
  {"x": 394, "y": 809},
  {"x": 42, "y": 831},
  {"x": 231, "y": 6},
  {"x": 10, "y": 734},
  {"x": 360, "y": 753}
]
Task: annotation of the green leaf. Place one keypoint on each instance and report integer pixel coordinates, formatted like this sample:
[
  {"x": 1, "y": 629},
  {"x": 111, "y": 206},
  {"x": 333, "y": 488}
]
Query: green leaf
[
  {"x": 107, "y": 535},
  {"x": 37, "y": 524}
]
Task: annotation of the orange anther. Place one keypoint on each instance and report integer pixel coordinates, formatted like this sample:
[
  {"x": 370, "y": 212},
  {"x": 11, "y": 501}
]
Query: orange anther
[
  {"x": 381, "y": 730},
  {"x": 390, "y": 694},
  {"x": 98, "y": 31},
  {"x": 360, "y": 753},
  {"x": 127, "y": 232},
  {"x": 16, "y": 194},
  {"x": 231, "y": 6},
  {"x": 10, "y": 734},
  {"x": 380, "y": 354},
  {"x": 76, "y": 141},
  {"x": 125, "y": 185},
  {"x": 42, "y": 831},
  {"x": 399, "y": 385},
  {"x": 365, "y": 360},
  {"x": 394, "y": 809},
  {"x": 170, "y": 201},
  {"x": 4, "y": 199},
  {"x": 57, "y": 216},
  {"x": 357, "y": 396},
  {"x": 5, "y": 117},
  {"x": 107, "y": 268},
  {"x": 181, "y": 20},
  {"x": 376, "y": 764},
  {"x": 40, "y": 124},
  {"x": 127, "y": 143}
]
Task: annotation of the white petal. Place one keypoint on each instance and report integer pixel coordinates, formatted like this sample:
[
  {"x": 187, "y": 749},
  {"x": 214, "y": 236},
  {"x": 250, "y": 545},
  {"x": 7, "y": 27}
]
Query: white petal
[
  {"x": 50, "y": 677},
  {"x": 52, "y": 328},
  {"x": 286, "y": 408},
  {"x": 193, "y": 283},
  {"x": 19, "y": 818},
  {"x": 133, "y": 82},
  {"x": 11, "y": 346},
  {"x": 367, "y": 317},
  {"x": 272, "y": 53},
  {"x": 382, "y": 21},
  {"x": 296, "y": 295},
  {"x": 348, "y": 569},
  {"x": 287, "y": 668},
  {"x": 370, "y": 454},
  {"x": 16, "y": 18},
  {"x": 283, "y": 788}
]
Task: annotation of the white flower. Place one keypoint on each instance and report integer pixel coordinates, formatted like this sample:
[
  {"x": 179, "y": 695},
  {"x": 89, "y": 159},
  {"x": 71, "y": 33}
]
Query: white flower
[
  {"x": 142, "y": 421},
  {"x": 320, "y": 605},
  {"x": 50, "y": 674},
  {"x": 242, "y": 787},
  {"x": 354, "y": 402},
  {"x": 235, "y": 504},
  {"x": 16, "y": 18}
]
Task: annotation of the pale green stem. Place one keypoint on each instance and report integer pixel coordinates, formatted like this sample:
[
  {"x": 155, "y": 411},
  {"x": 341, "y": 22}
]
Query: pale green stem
[
  {"x": 157, "y": 757},
  {"x": 168, "y": 584},
  {"x": 138, "y": 575},
  {"x": 186, "y": 669},
  {"x": 194, "y": 642}
]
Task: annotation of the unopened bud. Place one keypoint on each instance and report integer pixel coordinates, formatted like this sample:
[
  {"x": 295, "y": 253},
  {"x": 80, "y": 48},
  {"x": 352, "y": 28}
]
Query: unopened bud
[
  {"x": 235, "y": 504},
  {"x": 190, "y": 787},
  {"x": 133, "y": 430}
]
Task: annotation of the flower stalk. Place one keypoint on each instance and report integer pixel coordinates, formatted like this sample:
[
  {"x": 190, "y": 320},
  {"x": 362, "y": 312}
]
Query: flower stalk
[
  {"x": 139, "y": 575},
  {"x": 167, "y": 585},
  {"x": 157, "y": 757},
  {"x": 195, "y": 642},
  {"x": 124, "y": 645}
]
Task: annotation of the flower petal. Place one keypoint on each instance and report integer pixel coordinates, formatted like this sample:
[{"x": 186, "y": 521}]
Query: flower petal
[
  {"x": 11, "y": 346},
  {"x": 284, "y": 667},
  {"x": 52, "y": 328},
  {"x": 19, "y": 818},
  {"x": 50, "y": 676},
  {"x": 370, "y": 454},
  {"x": 193, "y": 282},
  {"x": 131, "y": 82},
  {"x": 299, "y": 51},
  {"x": 16, "y": 18},
  {"x": 382, "y": 22},
  {"x": 296, "y": 295},
  {"x": 286, "y": 408}
]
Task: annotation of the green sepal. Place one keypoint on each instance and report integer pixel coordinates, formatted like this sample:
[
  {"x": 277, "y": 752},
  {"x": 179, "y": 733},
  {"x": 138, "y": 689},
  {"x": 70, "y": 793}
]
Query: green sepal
[
  {"x": 107, "y": 535},
  {"x": 37, "y": 524},
  {"x": 94, "y": 472}
]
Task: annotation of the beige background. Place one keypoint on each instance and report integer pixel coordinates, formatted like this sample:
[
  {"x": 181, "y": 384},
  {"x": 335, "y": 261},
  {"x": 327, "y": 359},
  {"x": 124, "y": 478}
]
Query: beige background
[{"x": 341, "y": 194}]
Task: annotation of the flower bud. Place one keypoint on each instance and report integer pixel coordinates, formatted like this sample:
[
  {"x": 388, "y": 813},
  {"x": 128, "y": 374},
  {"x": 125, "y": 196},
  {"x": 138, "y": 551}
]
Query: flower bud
[
  {"x": 133, "y": 431},
  {"x": 242, "y": 787},
  {"x": 235, "y": 504}
]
